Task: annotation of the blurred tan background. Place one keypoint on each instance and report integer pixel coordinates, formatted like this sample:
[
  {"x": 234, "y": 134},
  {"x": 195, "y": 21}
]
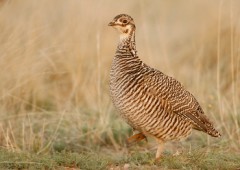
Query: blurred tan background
[{"x": 55, "y": 58}]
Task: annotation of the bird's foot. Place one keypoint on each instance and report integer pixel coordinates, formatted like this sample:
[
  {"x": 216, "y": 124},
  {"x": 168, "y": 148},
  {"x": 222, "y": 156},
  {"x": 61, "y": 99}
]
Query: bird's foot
[
  {"x": 177, "y": 153},
  {"x": 158, "y": 159},
  {"x": 135, "y": 138}
]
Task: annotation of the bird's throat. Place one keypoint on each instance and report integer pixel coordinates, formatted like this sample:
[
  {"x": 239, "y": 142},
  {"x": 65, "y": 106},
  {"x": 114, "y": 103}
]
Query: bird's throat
[{"x": 127, "y": 40}]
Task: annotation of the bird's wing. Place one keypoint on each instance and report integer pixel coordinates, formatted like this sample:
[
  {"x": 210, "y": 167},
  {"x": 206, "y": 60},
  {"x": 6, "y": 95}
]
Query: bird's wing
[{"x": 182, "y": 102}]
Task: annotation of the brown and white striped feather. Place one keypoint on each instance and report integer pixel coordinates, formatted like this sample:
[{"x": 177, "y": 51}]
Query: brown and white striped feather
[
  {"x": 149, "y": 100},
  {"x": 152, "y": 102}
]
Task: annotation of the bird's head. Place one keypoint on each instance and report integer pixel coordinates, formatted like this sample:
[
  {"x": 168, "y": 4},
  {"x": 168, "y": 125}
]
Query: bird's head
[{"x": 124, "y": 24}]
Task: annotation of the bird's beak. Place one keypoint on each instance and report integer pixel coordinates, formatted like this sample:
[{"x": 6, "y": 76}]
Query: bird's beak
[{"x": 111, "y": 24}]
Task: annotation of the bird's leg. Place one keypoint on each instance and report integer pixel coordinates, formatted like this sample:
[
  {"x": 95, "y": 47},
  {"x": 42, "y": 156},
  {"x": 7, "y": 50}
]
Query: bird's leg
[
  {"x": 135, "y": 138},
  {"x": 159, "y": 150}
]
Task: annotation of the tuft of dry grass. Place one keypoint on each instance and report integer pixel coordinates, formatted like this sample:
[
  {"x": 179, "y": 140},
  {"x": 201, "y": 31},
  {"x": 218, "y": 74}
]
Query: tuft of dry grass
[{"x": 55, "y": 60}]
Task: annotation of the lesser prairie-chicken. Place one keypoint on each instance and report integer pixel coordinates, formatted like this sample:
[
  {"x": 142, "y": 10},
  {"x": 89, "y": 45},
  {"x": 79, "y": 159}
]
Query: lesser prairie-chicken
[{"x": 151, "y": 102}]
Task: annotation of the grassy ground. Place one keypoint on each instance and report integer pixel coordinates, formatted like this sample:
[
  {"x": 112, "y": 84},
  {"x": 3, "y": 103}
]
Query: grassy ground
[
  {"x": 196, "y": 159},
  {"x": 55, "y": 56}
]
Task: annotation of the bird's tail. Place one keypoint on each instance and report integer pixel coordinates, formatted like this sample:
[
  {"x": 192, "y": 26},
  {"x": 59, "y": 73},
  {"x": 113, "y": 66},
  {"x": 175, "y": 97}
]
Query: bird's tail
[{"x": 213, "y": 132}]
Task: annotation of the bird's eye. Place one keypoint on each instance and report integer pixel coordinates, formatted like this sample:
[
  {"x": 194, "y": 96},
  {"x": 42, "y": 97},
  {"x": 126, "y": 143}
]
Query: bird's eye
[{"x": 124, "y": 21}]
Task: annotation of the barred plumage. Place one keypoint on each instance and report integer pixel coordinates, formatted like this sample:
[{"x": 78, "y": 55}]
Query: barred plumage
[{"x": 151, "y": 102}]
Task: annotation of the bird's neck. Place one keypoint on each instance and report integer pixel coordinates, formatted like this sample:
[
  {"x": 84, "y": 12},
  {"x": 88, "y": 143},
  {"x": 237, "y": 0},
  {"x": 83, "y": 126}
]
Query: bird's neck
[
  {"x": 126, "y": 54},
  {"x": 127, "y": 42}
]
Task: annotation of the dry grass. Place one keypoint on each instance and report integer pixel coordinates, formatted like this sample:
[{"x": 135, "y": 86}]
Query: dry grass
[{"x": 55, "y": 60}]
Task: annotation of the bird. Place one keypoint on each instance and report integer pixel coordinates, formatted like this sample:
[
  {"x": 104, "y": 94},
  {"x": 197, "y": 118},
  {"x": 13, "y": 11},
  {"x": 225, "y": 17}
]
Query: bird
[{"x": 154, "y": 104}]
